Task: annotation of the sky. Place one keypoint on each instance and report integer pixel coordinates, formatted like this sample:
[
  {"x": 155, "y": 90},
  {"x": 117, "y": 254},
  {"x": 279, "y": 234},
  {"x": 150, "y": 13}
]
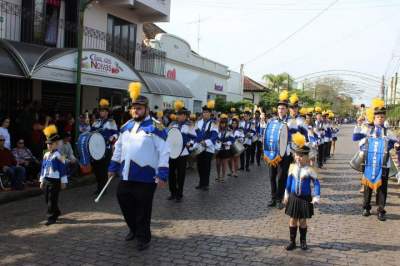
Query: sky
[{"x": 295, "y": 36}]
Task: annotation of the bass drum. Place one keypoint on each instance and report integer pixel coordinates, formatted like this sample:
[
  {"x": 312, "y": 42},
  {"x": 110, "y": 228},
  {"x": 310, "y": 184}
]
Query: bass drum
[
  {"x": 91, "y": 146},
  {"x": 175, "y": 142}
]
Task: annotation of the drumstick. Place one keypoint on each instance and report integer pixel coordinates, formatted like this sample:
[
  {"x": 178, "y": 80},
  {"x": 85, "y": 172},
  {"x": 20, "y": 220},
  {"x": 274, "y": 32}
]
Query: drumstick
[{"x": 104, "y": 189}]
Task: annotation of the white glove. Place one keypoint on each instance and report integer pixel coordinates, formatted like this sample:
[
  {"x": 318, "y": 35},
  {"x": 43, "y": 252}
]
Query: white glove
[{"x": 315, "y": 200}]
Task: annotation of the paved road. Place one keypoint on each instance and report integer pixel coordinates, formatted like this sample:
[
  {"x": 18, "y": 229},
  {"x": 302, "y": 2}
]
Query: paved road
[{"x": 228, "y": 225}]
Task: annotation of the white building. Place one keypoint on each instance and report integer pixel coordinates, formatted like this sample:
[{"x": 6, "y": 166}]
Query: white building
[{"x": 206, "y": 79}]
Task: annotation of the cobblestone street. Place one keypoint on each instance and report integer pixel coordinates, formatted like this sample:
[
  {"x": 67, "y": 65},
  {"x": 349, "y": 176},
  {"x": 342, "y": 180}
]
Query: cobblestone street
[{"x": 228, "y": 225}]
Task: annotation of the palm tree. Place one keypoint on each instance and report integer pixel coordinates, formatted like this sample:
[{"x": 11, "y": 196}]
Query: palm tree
[{"x": 279, "y": 81}]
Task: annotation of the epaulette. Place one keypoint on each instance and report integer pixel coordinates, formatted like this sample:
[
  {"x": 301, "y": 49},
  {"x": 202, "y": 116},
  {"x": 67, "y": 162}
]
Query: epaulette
[{"x": 157, "y": 124}]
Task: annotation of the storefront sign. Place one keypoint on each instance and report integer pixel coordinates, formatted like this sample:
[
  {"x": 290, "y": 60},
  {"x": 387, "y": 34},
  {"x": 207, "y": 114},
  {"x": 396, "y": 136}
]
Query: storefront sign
[
  {"x": 218, "y": 87},
  {"x": 94, "y": 62}
]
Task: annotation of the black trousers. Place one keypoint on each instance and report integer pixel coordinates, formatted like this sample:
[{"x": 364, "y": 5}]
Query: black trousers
[
  {"x": 136, "y": 202},
  {"x": 278, "y": 177},
  {"x": 204, "y": 168},
  {"x": 177, "y": 173},
  {"x": 256, "y": 151},
  {"x": 245, "y": 157},
  {"x": 328, "y": 150},
  {"x": 100, "y": 170},
  {"x": 381, "y": 194},
  {"x": 52, "y": 192},
  {"x": 321, "y": 153}
]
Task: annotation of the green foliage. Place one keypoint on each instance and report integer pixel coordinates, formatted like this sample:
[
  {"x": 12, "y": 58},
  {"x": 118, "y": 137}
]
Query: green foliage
[
  {"x": 279, "y": 82},
  {"x": 221, "y": 105},
  {"x": 393, "y": 113}
]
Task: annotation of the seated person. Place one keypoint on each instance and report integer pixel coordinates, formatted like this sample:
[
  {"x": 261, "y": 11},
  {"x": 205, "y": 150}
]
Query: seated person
[
  {"x": 8, "y": 165},
  {"x": 67, "y": 152},
  {"x": 26, "y": 159}
]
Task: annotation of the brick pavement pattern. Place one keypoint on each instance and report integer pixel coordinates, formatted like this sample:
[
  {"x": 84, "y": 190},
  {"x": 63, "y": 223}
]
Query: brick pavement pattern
[{"x": 228, "y": 225}]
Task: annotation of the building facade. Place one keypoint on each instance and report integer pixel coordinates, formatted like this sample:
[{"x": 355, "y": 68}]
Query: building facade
[
  {"x": 38, "y": 40},
  {"x": 253, "y": 90}
]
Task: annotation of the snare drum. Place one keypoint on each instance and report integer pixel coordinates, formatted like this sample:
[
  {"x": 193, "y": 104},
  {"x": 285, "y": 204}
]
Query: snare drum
[{"x": 175, "y": 142}]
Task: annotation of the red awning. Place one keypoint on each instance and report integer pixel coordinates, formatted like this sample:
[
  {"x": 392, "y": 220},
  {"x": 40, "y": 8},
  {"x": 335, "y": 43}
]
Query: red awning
[{"x": 55, "y": 3}]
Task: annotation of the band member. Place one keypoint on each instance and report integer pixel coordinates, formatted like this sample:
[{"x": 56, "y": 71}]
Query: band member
[
  {"x": 141, "y": 159},
  {"x": 108, "y": 129},
  {"x": 207, "y": 134},
  {"x": 224, "y": 143},
  {"x": 256, "y": 146},
  {"x": 299, "y": 200},
  {"x": 177, "y": 167},
  {"x": 376, "y": 141},
  {"x": 320, "y": 133},
  {"x": 335, "y": 131},
  {"x": 312, "y": 137},
  {"x": 238, "y": 136},
  {"x": 278, "y": 171},
  {"x": 53, "y": 175},
  {"x": 296, "y": 121},
  {"x": 328, "y": 135},
  {"x": 231, "y": 114},
  {"x": 249, "y": 131}
]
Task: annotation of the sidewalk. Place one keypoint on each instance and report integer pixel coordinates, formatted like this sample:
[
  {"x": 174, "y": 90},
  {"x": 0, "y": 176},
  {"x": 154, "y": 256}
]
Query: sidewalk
[{"x": 8, "y": 196}]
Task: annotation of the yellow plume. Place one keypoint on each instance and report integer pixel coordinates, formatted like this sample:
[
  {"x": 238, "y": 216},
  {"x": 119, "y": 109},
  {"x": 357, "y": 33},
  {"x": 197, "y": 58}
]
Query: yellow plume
[
  {"x": 378, "y": 103},
  {"x": 172, "y": 117},
  {"x": 284, "y": 95},
  {"x": 318, "y": 109},
  {"x": 50, "y": 130},
  {"x": 178, "y": 105},
  {"x": 310, "y": 110},
  {"x": 193, "y": 117},
  {"x": 247, "y": 109},
  {"x": 273, "y": 109},
  {"x": 104, "y": 103},
  {"x": 233, "y": 109},
  {"x": 294, "y": 99},
  {"x": 223, "y": 116},
  {"x": 211, "y": 104},
  {"x": 299, "y": 139},
  {"x": 160, "y": 114},
  {"x": 236, "y": 117},
  {"x": 135, "y": 89},
  {"x": 369, "y": 113},
  {"x": 331, "y": 115},
  {"x": 303, "y": 111}
]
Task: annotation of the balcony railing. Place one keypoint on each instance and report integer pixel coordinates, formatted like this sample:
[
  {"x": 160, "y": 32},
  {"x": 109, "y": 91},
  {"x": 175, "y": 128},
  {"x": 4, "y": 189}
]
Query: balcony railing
[{"x": 63, "y": 35}]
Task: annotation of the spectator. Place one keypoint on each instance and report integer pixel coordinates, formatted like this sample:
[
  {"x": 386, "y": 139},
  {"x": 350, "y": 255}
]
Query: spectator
[
  {"x": 4, "y": 124},
  {"x": 8, "y": 164},
  {"x": 84, "y": 124},
  {"x": 26, "y": 159},
  {"x": 67, "y": 152},
  {"x": 38, "y": 140}
]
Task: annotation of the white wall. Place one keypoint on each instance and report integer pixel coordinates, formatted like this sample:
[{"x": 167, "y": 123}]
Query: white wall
[
  {"x": 234, "y": 88},
  {"x": 253, "y": 95}
]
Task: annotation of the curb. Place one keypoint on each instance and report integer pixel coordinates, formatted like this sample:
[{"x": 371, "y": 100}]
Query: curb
[{"x": 9, "y": 196}]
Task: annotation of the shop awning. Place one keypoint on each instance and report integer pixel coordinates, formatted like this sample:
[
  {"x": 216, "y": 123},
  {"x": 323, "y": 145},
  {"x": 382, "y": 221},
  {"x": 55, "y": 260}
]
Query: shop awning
[
  {"x": 10, "y": 65},
  {"x": 163, "y": 86}
]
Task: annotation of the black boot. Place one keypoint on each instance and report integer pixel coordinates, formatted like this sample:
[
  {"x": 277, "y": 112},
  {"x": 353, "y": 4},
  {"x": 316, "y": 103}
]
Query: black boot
[
  {"x": 293, "y": 233},
  {"x": 303, "y": 237}
]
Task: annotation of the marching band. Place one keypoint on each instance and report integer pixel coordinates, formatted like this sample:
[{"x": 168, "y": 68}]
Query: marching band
[{"x": 147, "y": 152}]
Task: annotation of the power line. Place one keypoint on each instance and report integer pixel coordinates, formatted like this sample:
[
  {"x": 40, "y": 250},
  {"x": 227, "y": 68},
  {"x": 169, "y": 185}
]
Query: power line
[{"x": 294, "y": 33}]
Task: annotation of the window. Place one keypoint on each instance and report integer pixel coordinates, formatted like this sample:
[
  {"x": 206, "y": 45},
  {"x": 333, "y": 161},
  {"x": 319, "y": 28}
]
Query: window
[{"x": 121, "y": 38}]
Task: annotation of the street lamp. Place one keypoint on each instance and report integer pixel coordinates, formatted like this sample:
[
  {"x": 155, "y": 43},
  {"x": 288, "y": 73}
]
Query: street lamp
[{"x": 83, "y": 4}]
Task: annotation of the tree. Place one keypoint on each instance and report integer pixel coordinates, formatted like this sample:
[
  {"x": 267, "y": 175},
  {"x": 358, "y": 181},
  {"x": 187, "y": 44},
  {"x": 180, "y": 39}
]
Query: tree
[{"x": 279, "y": 82}]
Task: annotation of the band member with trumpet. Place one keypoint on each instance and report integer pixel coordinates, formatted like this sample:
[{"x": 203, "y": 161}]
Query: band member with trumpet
[
  {"x": 319, "y": 130},
  {"x": 207, "y": 134},
  {"x": 299, "y": 199},
  {"x": 177, "y": 167},
  {"x": 238, "y": 136},
  {"x": 249, "y": 131},
  {"x": 376, "y": 141},
  {"x": 278, "y": 172},
  {"x": 53, "y": 175},
  {"x": 224, "y": 143},
  {"x": 256, "y": 146},
  {"x": 140, "y": 158},
  {"x": 109, "y": 130}
]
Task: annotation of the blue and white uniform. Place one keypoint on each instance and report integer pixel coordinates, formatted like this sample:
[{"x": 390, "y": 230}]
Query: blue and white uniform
[
  {"x": 225, "y": 140},
  {"x": 53, "y": 167},
  {"x": 297, "y": 124},
  {"x": 249, "y": 131},
  {"x": 188, "y": 135},
  {"x": 141, "y": 152},
  {"x": 299, "y": 182},
  {"x": 107, "y": 128},
  {"x": 206, "y": 131}
]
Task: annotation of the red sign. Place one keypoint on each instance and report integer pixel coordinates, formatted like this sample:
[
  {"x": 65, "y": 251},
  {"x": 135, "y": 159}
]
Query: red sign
[{"x": 171, "y": 74}]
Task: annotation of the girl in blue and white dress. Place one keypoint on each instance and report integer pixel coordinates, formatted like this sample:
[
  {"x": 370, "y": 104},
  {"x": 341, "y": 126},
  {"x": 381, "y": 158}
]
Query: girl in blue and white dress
[
  {"x": 224, "y": 143},
  {"x": 299, "y": 196},
  {"x": 335, "y": 132}
]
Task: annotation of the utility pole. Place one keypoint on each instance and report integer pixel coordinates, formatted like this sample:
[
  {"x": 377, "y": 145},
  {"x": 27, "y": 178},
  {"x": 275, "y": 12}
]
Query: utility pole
[
  {"x": 382, "y": 94},
  {"x": 315, "y": 93},
  {"x": 83, "y": 4},
  {"x": 198, "y": 35},
  {"x": 395, "y": 88},
  {"x": 242, "y": 77},
  {"x": 391, "y": 90}
]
